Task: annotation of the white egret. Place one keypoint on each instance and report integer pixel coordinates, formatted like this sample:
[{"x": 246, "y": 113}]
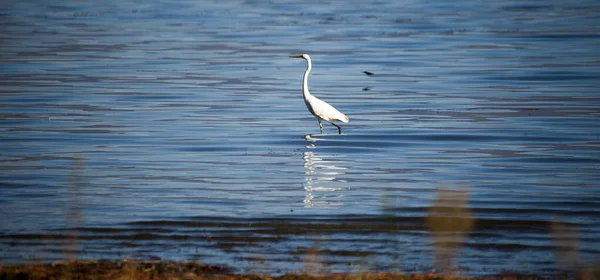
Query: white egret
[{"x": 319, "y": 108}]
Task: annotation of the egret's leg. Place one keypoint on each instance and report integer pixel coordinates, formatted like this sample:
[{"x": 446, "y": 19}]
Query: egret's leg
[
  {"x": 339, "y": 128},
  {"x": 320, "y": 125}
]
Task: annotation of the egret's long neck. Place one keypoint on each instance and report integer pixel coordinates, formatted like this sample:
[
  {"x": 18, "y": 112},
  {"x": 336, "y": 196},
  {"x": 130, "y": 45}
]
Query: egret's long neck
[{"x": 305, "y": 83}]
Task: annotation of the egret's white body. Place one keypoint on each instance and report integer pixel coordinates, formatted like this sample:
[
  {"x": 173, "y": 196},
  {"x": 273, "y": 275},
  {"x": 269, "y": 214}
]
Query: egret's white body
[{"x": 319, "y": 108}]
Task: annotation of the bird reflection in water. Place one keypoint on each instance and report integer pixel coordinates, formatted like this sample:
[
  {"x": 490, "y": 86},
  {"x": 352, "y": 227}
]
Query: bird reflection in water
[{"x": 321, "y": 183}]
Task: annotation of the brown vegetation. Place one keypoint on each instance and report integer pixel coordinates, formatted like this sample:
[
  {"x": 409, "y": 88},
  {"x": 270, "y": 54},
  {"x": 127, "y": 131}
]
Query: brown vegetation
[{"x": 156, "y": 270}]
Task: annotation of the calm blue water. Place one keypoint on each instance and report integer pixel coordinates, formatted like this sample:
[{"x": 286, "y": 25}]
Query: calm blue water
[{"x": 177, "y": 130}]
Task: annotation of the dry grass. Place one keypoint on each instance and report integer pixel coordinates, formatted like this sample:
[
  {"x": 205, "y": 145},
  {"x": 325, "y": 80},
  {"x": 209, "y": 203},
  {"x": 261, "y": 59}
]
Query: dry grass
[{"x": 450, "y": 222}]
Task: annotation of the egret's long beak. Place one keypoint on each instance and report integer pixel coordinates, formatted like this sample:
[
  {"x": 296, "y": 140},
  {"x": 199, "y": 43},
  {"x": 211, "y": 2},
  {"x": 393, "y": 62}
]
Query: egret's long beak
[{"x": 295, "y": 56}]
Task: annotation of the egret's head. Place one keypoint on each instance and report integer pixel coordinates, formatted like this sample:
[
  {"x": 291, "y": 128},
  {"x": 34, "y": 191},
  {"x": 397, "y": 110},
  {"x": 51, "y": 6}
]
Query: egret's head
[{"x": 304, "y": 56}]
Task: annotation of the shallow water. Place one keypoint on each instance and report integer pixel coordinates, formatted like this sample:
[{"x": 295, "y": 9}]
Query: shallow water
[{"x": 178, "y": 131}]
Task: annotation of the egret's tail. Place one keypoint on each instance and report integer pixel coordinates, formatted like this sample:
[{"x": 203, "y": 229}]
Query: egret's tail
[{"x": 344, "y": 119}]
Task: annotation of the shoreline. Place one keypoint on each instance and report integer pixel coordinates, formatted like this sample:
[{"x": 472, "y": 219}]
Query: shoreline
[{"x": 160, "y": 269}]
